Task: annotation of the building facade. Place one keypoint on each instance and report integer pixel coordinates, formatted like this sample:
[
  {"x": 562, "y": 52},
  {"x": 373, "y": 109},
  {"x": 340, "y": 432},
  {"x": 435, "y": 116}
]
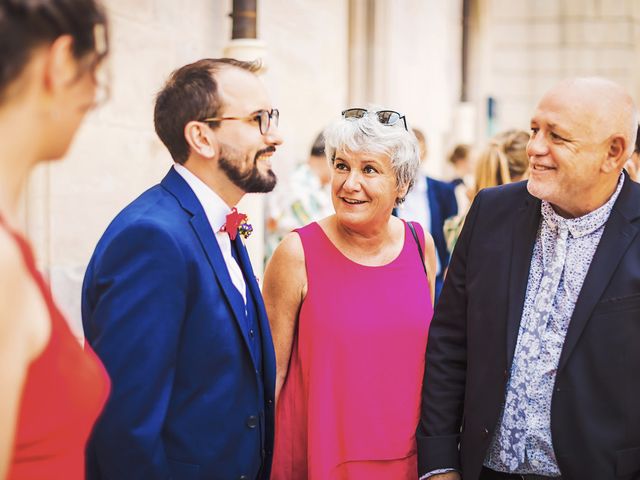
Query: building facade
[{"x": 321, "y": 56}]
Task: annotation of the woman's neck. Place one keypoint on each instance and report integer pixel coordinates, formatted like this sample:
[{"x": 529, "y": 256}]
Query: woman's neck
[
  {"x": 372, "y": 239},
  {"x": 18, "y": 155}
]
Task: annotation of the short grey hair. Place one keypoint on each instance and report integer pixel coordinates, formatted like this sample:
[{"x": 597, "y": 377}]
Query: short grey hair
[{"x": 368, "y": 135}]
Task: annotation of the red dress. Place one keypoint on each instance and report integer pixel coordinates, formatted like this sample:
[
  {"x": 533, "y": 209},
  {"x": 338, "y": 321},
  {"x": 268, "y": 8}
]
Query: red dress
[
  {"x": 351, "y": 402},
  {"x": 64, "y": 392}
]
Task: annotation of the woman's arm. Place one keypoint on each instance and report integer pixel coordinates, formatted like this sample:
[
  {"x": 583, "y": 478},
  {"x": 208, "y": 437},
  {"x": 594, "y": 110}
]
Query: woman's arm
[
  {"x": 24, "y": 332},
  {"x": 285, "y": 286},
  {"x": 430, "y": 263}
]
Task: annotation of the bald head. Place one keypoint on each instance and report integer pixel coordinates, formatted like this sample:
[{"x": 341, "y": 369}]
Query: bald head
[
  {"x": 602, "y": 106},
  {"x": 582, "y": 133}
]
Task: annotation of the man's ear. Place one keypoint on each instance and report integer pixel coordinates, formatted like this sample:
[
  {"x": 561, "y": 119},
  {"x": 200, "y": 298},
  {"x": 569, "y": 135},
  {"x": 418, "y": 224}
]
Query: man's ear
[
  {"x": 61, "y": 66},
  {"x": 616, "y": 154},
  {"x": 201, "y": 139}
]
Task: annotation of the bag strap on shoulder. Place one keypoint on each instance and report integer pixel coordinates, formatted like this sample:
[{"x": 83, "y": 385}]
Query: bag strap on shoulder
[{"x": 415, "y": 237}]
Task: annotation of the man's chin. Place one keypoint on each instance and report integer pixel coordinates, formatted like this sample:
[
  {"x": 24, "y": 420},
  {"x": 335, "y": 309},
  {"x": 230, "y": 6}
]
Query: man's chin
[
  {"x": 266, "y": 184},
  {"x": 537, "y": 190}
]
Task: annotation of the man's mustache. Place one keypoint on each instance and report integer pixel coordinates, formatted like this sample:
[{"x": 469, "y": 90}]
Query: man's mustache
[{"x": 259, "y": 153}]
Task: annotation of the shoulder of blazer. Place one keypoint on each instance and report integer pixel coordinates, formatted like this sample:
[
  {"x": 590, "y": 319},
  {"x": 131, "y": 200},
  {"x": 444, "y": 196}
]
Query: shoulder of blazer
[
  {"x": 439, "y": 185},
  {"x": 180, "y": 189},
  {"x": 512, "y": 191},
  {"x": 500, "y": 204},
  {"x": 628, "y": 202},
  {"x": 443, "y": 192}
]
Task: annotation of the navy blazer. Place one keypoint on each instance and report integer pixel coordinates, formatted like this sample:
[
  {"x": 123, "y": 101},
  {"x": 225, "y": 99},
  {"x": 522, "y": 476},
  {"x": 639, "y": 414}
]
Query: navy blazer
[
  {"x": 442, "y": 205},
  {"x": 160, "y": 310},
  {"x": 595, "y": 417}
]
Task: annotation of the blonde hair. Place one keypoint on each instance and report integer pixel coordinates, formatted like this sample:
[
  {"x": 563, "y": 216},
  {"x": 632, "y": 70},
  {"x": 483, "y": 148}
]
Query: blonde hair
[{"x": 504, "y": 160}]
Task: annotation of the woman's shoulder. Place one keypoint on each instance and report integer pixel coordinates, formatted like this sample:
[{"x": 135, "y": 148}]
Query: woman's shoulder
[
  {"x": 291, "y": 245},
  {"x": 289, "y": 253},
  {"x": 24, "y": 314},
  {"x": 11, "y": 264}
]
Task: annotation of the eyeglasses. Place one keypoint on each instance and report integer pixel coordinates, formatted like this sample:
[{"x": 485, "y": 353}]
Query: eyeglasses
[
  {"x": 264, "y": 118},
  {"x": 385, "y": 117}
]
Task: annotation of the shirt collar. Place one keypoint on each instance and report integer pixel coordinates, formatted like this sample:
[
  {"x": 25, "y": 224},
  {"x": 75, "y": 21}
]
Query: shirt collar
[
  {"x": 586, "y": 224},
  {"x": 214, "y": 207}
]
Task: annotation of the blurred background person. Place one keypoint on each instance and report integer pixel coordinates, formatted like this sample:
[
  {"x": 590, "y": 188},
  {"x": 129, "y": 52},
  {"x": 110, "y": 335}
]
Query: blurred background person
[
  {"x": 504, "y": 160},
  {"x": 51, "y": 390},
  {"x": 350, "y": 306},
  {"x": 460, "y": 160},
  {"x": 430, "y": 203},
  {"x": 304, "y": 198},
  {"x": 633, "y": 165}
]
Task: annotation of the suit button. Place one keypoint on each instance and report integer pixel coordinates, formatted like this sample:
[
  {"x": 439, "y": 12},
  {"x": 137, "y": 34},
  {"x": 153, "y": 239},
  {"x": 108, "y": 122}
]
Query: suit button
[
  {"x": 269, "y": 402},
  {"x": 485, "y": 433},
  {"x": 244, "y": 477},
  {"x": 252, "y": 421},
  {"x": 252, "y": 333}
]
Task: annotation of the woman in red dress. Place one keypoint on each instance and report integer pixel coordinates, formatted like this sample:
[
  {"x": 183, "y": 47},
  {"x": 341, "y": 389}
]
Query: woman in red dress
[{"x": 51, "y": 389}]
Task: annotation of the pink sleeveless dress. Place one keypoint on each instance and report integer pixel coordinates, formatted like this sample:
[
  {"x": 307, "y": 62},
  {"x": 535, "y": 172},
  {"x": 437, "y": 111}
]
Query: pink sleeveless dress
[{"x": 350, "y": 405}]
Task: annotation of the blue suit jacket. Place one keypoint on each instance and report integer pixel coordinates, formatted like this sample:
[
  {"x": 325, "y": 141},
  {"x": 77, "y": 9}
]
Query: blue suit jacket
[
  {"x": 442, "y": 205},
  {"x": 160, "y": 310}
]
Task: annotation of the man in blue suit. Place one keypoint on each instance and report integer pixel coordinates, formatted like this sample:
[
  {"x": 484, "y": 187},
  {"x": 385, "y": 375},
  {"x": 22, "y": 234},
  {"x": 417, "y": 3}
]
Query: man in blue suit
[
  {"x": 431, "y": 202},
  {"x": 170, "y": 302}
]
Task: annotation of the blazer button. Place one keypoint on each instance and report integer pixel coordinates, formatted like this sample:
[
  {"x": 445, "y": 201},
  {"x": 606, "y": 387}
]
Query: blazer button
[
  {"x": 244, "y": 477},
  {"x": 485, "y": 433},
  {"x": 252, "y": 333},
  {"x": 269, "y": 402},
  {"x": 252, "y": 421}
]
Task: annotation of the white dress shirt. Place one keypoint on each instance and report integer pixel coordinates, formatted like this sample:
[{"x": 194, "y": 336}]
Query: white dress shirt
[{"x": 216, "y": 211}]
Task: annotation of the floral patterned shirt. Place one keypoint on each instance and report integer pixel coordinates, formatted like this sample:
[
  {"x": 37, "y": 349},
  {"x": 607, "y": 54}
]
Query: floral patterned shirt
[{"x": 522, "y": 441}]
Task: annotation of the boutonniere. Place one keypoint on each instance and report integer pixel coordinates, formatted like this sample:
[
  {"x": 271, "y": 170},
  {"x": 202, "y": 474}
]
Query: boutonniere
[{"x": 237, "y": 223}]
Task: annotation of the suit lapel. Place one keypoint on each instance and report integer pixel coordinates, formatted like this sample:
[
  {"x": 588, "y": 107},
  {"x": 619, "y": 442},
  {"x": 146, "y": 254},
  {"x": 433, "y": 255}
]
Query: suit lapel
[
  {"x": 523, "y": 239},
  {"x": 175, "y": 184},
  {"x": 618, "y": 234}
]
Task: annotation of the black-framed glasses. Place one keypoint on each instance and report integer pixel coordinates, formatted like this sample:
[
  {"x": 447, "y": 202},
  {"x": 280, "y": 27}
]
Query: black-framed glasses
[
  {"x": 385, "y": 117},
  {"x": 265, "y": 119}
]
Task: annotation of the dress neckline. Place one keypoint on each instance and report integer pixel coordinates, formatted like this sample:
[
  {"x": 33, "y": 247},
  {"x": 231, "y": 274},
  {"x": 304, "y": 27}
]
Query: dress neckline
[{"x": 395, "y": 260}]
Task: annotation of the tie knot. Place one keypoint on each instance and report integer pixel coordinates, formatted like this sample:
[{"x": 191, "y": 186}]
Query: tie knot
[{"x": 235, "y": 223}]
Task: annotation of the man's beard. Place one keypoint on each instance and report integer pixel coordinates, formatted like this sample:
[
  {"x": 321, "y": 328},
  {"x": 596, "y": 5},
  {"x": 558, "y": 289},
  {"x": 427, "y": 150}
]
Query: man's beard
[{"x": 251, "y": 180}]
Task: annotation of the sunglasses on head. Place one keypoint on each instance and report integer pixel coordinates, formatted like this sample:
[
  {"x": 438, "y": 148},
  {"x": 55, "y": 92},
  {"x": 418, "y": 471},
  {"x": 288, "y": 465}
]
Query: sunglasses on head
[{"x": 385, "y": 117}]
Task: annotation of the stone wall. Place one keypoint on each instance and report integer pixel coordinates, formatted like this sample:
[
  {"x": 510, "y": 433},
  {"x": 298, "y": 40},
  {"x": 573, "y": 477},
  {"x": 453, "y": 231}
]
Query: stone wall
[
  {"x": 522, "y": 47},
  {"x": 116, "y": 155},
  {"x": 322, "y": 55}
]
